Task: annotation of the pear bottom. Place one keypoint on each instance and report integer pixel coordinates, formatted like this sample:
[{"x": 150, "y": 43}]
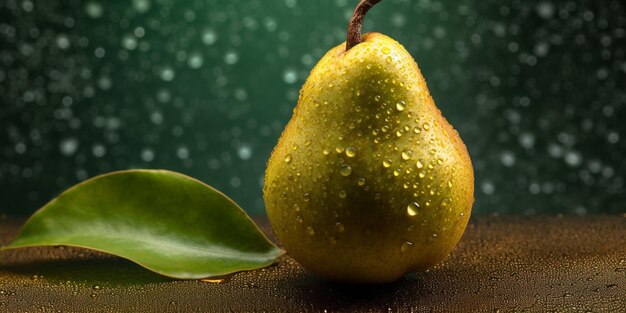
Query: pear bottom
[{"x": 355, "y": 252}]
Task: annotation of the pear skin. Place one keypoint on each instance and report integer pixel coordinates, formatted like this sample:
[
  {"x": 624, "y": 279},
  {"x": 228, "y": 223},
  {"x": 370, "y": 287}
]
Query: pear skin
[{"x": 368, "y": 181}]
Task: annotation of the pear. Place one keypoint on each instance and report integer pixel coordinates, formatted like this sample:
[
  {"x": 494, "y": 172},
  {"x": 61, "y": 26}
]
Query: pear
[{"x": 368, "y": 181}]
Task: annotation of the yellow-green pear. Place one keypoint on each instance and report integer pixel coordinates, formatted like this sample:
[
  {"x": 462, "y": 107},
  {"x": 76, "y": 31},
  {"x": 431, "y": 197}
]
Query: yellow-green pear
[{"x": 368, "y": 181}]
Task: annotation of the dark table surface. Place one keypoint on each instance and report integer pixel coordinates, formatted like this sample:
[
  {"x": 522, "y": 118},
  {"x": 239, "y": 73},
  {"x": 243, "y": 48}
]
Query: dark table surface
[{"x": 502, "y": 264}]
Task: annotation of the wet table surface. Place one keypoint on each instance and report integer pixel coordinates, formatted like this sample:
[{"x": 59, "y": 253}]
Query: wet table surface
[{"x": 502, "y": 264}]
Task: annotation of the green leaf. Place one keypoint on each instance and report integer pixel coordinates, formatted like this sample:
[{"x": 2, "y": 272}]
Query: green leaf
[{"x": 166, "y": 222}]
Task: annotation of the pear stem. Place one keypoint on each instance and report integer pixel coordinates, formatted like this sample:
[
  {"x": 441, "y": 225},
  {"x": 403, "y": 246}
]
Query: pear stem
[{"x": 356, "y": 22}]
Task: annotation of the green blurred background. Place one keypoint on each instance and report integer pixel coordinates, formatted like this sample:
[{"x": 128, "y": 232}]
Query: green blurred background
[{"x": 536, "y": 89}]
